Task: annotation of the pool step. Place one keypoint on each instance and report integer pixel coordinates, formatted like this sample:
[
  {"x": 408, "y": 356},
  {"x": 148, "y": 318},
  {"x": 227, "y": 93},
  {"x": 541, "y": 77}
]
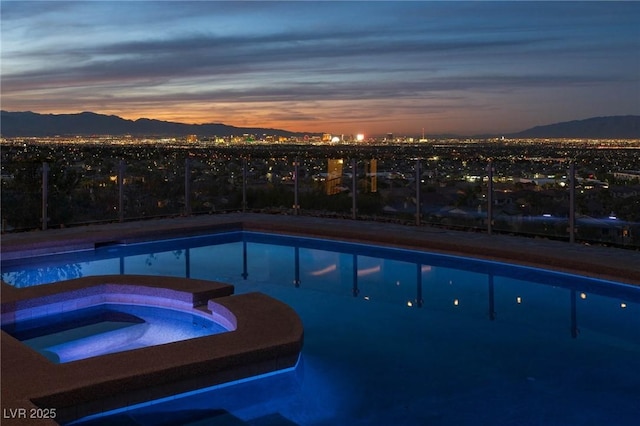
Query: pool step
[{"x": 47, "y": 341}]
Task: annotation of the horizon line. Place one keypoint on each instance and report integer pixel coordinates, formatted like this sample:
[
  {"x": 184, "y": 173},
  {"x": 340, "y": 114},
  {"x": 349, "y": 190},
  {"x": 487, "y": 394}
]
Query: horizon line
[{"x": 419, "y": 133}]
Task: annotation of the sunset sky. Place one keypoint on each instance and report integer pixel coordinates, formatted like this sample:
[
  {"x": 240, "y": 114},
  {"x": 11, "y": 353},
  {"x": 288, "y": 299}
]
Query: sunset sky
[{"x": 338, "y": 67}]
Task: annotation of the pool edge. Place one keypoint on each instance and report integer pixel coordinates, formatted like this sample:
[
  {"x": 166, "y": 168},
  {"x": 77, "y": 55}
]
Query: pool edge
[{"x": 613, "y": 264}]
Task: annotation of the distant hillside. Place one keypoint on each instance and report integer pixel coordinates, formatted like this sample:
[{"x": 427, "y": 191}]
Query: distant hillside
[
  {"x": 14, "y": 124},
  {"x": 88, "y": 123},
  {"x": 616, "y": 127}
]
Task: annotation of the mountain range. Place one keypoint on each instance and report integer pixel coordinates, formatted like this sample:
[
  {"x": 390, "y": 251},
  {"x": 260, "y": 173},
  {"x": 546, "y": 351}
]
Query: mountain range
[
  {"x": 614, "y": 127},
  {"x": 15, "y": 124}
]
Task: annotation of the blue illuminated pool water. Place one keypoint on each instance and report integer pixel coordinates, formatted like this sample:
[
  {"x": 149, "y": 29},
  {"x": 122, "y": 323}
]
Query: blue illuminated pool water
[
  {"x": 399, "y": 337},
  {"x": 108, "y": 328}
]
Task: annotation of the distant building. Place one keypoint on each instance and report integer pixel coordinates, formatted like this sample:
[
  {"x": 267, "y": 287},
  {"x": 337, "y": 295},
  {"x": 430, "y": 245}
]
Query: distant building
[
  {"x": 627, "y": 174},
  {"x": 334, "y": 176},
  {"x": 373, "y": 174}
]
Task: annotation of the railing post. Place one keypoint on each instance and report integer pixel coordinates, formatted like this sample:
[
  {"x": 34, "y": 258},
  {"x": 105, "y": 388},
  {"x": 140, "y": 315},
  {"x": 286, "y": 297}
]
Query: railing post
[
  {"x": 121, "y": 191},
  {"x": 354, "y": 189},
  {"x": 572, "y": 202},
  {"x": 418, "y": 175},
  {"x": 244, "y": 185},
  {"x": 187, "y": 186},
  {"x": 490, "y": 197},
  {"x": 296, "y": 205},
  {"x": 45, "y": 195}
]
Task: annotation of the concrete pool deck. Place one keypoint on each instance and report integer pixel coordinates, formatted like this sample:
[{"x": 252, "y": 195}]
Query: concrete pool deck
[{"x": 594, "y": 261}]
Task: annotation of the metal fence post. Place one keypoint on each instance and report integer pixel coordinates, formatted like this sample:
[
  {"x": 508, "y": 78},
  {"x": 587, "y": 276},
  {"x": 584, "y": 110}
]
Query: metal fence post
[
  {"x": 354, "y": 189},
  {"x": 296, "y": 205},
  {"x": 45, "y": 195},
  {"x": 121, "y": 191},
  {"x": 490, "y": 197},
  {"x": 418, "y": 175},
  {"x": 244, "y": 185},
  {"x": 572, "y": 202},
  {"x": 187, "y": 187}
]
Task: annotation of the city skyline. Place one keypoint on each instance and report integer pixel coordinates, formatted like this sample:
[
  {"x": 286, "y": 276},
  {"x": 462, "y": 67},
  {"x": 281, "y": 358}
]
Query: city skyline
[{"x": 339, "y": 67}]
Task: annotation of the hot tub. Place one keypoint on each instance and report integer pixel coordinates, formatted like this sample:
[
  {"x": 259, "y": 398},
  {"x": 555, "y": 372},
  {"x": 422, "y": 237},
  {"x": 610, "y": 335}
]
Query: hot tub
[{"x": 94, "y": 344}]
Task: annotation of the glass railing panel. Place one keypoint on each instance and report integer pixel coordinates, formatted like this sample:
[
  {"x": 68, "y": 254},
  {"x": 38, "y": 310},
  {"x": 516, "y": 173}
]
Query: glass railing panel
[
  {"x": 21, "y": 193},
  {"x": 444, "y": 185}
]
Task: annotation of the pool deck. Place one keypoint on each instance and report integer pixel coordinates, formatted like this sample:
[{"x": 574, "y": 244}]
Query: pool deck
[{"x": 608, "y": 263}]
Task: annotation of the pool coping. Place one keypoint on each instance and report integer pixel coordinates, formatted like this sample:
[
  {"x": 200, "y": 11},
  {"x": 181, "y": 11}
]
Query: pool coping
[
  {"x": 609, "y": 263},
  {"x": 268, "y": 337}
]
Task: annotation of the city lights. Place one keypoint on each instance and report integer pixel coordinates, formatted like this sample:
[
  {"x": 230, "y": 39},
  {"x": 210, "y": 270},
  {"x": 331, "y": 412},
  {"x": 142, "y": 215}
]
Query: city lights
[{"x": 528, "y": 195}]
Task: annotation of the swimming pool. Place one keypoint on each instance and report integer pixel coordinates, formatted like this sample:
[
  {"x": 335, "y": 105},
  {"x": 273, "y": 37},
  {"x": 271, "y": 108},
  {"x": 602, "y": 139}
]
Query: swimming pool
[{"x": 400, "y": 337}]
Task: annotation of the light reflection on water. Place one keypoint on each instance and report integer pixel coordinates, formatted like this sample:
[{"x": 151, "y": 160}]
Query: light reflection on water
[{"x": 411, "y": 279}]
